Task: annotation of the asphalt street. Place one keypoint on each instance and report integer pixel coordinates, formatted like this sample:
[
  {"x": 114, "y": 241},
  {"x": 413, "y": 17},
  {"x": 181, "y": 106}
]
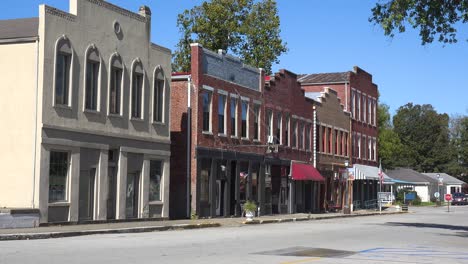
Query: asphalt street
[{"x": 427, "y": 235}]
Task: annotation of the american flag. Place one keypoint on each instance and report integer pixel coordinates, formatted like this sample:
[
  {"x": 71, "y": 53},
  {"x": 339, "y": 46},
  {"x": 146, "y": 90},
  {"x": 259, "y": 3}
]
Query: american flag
[{"x": 381, "y": 175}]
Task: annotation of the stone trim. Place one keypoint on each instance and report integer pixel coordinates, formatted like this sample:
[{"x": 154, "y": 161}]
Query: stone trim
[
  {"x": 59, "y": 13},
  {"x": 119, "y": 10}
]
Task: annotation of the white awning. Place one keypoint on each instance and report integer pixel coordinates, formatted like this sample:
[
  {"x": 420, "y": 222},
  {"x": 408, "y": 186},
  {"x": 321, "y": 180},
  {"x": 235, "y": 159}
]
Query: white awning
[{"x": 364, "y": 172}]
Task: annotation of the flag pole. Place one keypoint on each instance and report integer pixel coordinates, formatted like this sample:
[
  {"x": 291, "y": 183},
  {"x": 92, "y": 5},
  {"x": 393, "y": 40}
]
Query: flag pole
[{"x": 380, "y": 186}]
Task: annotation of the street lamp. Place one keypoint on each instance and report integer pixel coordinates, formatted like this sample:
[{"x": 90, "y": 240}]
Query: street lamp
[
  {"x": 440, "y": 182},
  {"x": 347, "y": 207}
]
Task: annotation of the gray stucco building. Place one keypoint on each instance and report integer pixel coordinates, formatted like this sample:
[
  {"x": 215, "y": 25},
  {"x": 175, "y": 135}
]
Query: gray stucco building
[{"x": 85, "y": 95}]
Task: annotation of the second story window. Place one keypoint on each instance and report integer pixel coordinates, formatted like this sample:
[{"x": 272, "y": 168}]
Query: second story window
[
  {"x": 206, "y": 100},
  {"x": 92, "y": 80},
  {"x": 269, "y": 130},
  {"x": 301, "y": 136},
  {"x": 63, "y": 61},
  {"x": 158, "y": 96},
  {"x": 279, "y": 124},
  {"x": 137, "y": 91},
  {"x": 256, "y": 121},
  {"x": 245, "y": 119},
  {"x": 234, "y": 117},
  {"x": 307, "y": 138},
  {"x": 221, "y": 114},
  {"x": 294, "y": 134},
  {"x": 286, "y": 132},
  {"x": 115, "y": 89}
]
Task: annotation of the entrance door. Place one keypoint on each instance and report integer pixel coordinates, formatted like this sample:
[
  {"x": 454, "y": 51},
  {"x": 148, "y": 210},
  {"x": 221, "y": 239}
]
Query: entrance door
[
  {"x": 86, "y": 194},
  {"x": 112, "y": 194},
  {"x": 131, "y": 209},
  {"x": 219, "y": 198},
  {"x": 308, "y": 197}
]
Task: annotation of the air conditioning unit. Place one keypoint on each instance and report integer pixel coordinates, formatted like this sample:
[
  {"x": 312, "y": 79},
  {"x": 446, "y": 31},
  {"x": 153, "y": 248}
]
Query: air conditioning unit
[{"x": 270, "y": 139}]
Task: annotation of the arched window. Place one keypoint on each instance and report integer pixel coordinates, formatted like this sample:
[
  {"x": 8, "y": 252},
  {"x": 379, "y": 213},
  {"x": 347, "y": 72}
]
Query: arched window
[
  {"x": 137, "y": 89},
  {"x": 158, "y": 95},
  {"x": 63, "y": 59},
  {"x": 92, "y": 69},
  {"x": 115, "y": 88}
]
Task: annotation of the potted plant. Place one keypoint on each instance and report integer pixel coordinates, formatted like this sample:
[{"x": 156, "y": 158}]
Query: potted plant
[{"x": 249, "y": 208}]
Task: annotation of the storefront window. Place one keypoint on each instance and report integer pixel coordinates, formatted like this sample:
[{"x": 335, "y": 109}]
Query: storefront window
[
  {"x": 243, "y": 180},
  {"x": 155, "y": 180},
  {"x": 205, "y": 180},
  {"x": 58, "y": 174}
]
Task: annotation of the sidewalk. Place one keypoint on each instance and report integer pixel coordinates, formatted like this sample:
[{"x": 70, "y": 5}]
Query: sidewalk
[{"x": 152, "y": 226}]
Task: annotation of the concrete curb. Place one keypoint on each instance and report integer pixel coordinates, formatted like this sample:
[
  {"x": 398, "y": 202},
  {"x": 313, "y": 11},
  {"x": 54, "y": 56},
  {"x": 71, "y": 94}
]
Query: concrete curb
[
  {"x": 105, "y": 231},
  {"x": 310, "y": 218}
]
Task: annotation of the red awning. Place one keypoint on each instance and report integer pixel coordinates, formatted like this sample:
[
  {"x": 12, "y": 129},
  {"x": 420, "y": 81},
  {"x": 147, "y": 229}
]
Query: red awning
[{"x": 305, "y": 172}]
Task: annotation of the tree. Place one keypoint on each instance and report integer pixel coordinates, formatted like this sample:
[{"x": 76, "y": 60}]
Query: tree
[
  {"x": 391, "y": 150},
  {"x": 246, "y": 29},
  {"x": 459, "y": 146},
  {"x": 424, "y": 135},
  {"x": 434, "y": 18}
]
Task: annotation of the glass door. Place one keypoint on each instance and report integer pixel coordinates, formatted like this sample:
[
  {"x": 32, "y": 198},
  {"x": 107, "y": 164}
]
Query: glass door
[{"x": 131, "y": 209}]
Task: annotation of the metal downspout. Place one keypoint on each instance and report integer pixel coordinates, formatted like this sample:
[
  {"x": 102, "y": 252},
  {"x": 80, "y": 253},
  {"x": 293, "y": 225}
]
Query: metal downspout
[{"x": 189, "y": 149}]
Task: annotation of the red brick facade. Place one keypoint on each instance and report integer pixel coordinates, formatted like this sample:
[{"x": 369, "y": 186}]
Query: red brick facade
[{"x": 360, "y": 97}]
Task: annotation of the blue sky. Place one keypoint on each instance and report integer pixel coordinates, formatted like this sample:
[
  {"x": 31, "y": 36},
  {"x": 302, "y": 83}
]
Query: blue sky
[{"x": 332, "y": 36}]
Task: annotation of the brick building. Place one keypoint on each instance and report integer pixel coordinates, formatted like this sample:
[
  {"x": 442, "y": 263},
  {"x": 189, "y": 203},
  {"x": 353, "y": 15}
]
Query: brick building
[
  {"x": 333, "y": 126},
  {"x": 229, "y": 145},
  {"x": 359, "y": 96}
]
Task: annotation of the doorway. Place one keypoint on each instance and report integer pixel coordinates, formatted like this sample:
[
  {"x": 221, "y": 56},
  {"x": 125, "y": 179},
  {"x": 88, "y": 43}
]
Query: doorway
[
  {"x": 112, "y": 194},
  {"x": 86, "y": 194},
  {"x": 219, "y": 198},
  {"x": 132, "y": 193}
]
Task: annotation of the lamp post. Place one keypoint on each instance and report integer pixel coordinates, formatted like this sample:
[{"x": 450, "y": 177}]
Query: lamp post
[
  {"x": 440, "y": 182},
  {"x": 347, "y": 207}
]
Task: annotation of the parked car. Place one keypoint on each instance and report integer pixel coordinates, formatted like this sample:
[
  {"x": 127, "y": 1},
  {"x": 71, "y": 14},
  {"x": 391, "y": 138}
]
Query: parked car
[{"x": 459, "y": 199}]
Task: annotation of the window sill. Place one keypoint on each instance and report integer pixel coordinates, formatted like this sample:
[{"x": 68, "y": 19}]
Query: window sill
[
  {"x": 156, "y": 203},
  {"x": 65, "y": 107},
  {"x": 234, "y": 137},
  {"x": 89, "y": 111},
  {"x": 59, "y": 204},
  {"x": 137, "y": 119},
  {"x": 115, "y": 115},
  {"x": 245, "y": 139},
  {"x": 207, "y": 133},
  {"x": 158, "y": 123},
  {"x": 256, "y": 141},
  {"x": 222, "y": 135}
]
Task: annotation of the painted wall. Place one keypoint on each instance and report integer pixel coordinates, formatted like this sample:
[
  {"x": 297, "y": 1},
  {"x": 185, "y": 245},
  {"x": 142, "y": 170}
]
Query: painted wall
[{"x": 17, "y": 114}]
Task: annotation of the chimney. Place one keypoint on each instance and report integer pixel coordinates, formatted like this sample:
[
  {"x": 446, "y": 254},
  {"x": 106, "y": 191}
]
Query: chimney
[{"x": 145, "y": 11}]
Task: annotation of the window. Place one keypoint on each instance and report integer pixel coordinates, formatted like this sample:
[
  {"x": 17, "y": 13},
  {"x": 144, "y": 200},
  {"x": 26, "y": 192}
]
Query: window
[
  {"x": 245, "y": 126},
  {"x": 324, "y": 139},
  {"x": 359, "y": 145},
  {"x": 234, "y": 117},
  {"x": 206, "y": 100},
  {"x": 92, "y": 79},
  {"x": 346, "y": 144},
  {"x": 307, "y": 137},
  {"x": 301, "y": 136},
  {"x": 221, "y": 113},
  {"x": 256, "y": 121},
  {"x": 375, "y": 112},
  {"x": 63, "y": 72},
  {"x": 158, "y": 97},
  {"x": 358, "y": 113},
  {"x": 370, "y": 155},
  {"x": 137, "y": 91},
  {"x": 286, "y": 131},
  {"x": 353, "y": 103},
  {"x": 369, "y": 119},
  {"x": 279, "y": 123},
  {"x": 294, "y": 134},
  {"x": 58, "y": 174},
  {"x": 155, "y": 180},
  {"x": 364, "y": 108},
  {"x": 269, "y": 131},
  {"x": 115, "y": 85},
  {"x": 375, "y": 149},
  {"x": 330, "y": 140}
]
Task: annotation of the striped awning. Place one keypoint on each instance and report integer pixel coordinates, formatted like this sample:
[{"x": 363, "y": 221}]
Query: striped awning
[{"x": 364, "y": 172}]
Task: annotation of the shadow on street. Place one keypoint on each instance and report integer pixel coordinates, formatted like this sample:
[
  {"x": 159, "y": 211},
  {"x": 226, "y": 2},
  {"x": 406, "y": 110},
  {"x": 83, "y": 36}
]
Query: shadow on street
[{"x": 428, "y": 225}]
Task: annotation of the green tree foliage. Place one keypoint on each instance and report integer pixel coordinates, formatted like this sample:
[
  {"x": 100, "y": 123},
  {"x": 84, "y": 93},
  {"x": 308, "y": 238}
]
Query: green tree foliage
[
  {"x": 458, "y": 165},
  {"x": 424, "y": 135},
  {"x": 245, "y": 28},
  {"x": 389, "y": 144},
  {"x": 435, "y": 19}
]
